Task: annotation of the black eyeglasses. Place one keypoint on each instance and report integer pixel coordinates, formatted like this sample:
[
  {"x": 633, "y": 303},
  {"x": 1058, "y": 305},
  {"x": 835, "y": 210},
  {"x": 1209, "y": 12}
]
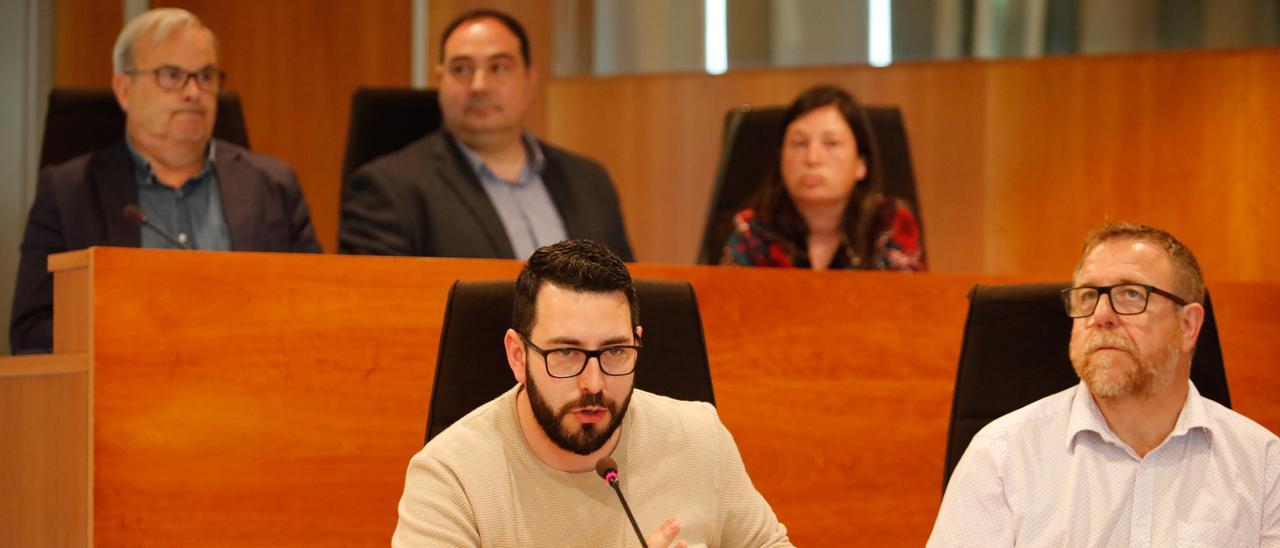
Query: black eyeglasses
[
  {"x": 1126, "y": 299},
  {"x": 171, "y": 77},
  {"x": 568, "y": 362}
]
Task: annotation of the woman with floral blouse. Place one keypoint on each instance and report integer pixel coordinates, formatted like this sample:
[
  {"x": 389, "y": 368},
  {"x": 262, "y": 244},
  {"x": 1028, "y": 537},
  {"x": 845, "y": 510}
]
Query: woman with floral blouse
[{"x": 824, "y": 208}]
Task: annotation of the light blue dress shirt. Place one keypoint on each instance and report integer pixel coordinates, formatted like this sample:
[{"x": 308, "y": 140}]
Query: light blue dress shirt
[
  {"x": 528, "y": 214},
  {"x": 192, "y": 213}
]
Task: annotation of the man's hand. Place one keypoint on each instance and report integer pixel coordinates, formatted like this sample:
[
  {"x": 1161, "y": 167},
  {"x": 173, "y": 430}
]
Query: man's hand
[{"x": 665, "y": 534}]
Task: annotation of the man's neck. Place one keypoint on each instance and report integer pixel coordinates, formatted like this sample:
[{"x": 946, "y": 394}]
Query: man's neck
[
  {"x": 171, "y": 163},
  {"x": 1144, "y": 421},
  {"x": 503, "y": 153},
  {"x": 547, "y": 451}
]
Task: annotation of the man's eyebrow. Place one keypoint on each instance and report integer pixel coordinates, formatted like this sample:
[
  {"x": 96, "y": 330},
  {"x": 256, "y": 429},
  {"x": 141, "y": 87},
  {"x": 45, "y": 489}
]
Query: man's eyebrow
[
  {"x": 503, "y": 56},
  {"x": 570, "y": 341}
]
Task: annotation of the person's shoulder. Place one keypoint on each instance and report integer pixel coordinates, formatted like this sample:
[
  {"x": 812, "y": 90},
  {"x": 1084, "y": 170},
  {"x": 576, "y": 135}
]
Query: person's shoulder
[
  {"x": 743, "y": 219},
  {"x": 76, "y": 169},
  {"x": 573, "y": 162},
  {"x": 275, "y": 168},
  {"x": 1226, "y": 421},
  {"x": 674, "y": 419},
  {"x": 476, "y": 436},
  {"x": 552, "y": 151},
  {"x": 1039, "y": 418},
  {"x": 411, "y": 162}
]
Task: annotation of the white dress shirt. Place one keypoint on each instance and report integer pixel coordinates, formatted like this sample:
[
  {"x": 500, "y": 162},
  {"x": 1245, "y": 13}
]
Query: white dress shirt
[{"x": 1054, "y": 474}]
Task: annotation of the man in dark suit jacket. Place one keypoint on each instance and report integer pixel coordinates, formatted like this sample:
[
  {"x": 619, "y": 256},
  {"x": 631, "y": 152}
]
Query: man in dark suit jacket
[
  {"x": 483, "y": 186},
  {"x": 210, "y": 194}
]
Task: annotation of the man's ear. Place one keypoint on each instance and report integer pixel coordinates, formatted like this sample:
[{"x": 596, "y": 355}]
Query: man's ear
[
  {"x": 1192, "y": 319},
  {"x": 639, "y": 333},
  {"x": 120, "y": 88},
  {"x": 514, "y": 344}
]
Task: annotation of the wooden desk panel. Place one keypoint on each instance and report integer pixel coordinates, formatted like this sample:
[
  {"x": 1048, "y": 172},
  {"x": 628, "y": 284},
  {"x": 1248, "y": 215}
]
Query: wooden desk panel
[{"x": 263, "y": 399}]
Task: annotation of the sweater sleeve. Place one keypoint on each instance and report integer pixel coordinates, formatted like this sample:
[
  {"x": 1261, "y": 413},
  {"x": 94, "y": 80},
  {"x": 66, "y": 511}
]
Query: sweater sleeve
[
  {"x": 435, "y": 509},
  {"x": 746, "y": 519}
]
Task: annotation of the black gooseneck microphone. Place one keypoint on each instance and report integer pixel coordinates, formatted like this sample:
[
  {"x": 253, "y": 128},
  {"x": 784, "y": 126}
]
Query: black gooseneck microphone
[
  {"x": 134, "y": 214},
  {"x": 608, "y": 469}
]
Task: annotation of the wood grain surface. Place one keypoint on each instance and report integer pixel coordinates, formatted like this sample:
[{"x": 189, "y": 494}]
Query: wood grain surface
[{"x": 263, "y": 399}]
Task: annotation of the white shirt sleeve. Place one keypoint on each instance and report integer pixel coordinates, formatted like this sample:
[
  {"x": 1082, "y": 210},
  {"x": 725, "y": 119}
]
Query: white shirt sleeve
[
  {"x": 1271, "y": 500},
  {"x": 975, "y": 509}
]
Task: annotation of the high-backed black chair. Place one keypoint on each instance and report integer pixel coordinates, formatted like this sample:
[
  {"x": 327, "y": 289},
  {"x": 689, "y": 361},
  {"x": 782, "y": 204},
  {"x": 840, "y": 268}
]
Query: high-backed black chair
[
  {"x": 384, "y": 120},
  {"x": 1015, "y": 352},
  {"x": 472, "y": 366},
  {"x": 84, "y": 120},
  {"x": 749, "y": 157}
]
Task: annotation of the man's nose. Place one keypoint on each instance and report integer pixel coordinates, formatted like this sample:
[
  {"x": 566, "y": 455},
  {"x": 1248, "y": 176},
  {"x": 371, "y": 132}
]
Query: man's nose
[
  {"x": 479, "y": 80},
  {"x": 592, "y": 378},
  {"x": 190, "y": 89},
  {"x": 1103, "y": 312}
]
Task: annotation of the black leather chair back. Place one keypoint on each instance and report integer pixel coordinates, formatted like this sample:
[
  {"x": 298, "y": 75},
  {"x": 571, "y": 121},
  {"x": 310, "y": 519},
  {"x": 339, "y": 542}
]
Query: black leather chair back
[
  {"x": 384, "y": 120},
  {"x": 1015, "y": 352},
  {"x": 84, "y": 120},
  {"x": 472, "y": 366},
  {"x": 752, "y": 140}
]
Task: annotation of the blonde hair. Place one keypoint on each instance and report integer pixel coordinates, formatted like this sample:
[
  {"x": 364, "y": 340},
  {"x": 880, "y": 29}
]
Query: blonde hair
[{"x": 156, "y": 25}]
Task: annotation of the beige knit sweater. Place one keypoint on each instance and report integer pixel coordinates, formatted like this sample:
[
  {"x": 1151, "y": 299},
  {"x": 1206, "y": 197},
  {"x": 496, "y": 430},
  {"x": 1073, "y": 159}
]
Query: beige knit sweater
[{"x": 478, "y": 484}]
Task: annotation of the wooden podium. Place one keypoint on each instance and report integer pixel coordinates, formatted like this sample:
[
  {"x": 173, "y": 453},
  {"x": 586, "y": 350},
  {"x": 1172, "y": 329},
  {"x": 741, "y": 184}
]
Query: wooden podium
[{"x": 258, "y": 399}]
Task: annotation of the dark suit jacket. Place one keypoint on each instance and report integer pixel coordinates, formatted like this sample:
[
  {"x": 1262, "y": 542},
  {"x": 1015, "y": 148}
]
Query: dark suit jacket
[
  {"x": 79, "y": 204},
  {"x": 425, "y": 200}
]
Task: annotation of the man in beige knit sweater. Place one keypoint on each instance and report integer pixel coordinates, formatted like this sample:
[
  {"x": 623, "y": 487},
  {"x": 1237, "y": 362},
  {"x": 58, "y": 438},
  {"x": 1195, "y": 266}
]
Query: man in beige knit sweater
[{"x": 520, "y": 470}]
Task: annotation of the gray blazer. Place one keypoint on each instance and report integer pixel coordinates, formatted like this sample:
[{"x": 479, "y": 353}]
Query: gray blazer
[{"x": 425, "y": 200}]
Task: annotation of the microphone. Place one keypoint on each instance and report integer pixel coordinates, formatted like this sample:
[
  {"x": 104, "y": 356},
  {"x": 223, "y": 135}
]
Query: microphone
[
  {"x": 608, "y": 469},
  {"x": 134, "y": 215}
]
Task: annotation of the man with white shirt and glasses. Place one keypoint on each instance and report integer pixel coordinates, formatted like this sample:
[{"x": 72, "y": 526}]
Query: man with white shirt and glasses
[{"x": 1133, "y": 455}]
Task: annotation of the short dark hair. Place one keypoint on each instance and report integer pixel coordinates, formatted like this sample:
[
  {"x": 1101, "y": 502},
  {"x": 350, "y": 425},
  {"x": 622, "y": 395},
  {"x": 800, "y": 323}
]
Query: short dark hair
[
  {"x": 579, "y": 265},
  {"x": 773, "y": 204},
  {"x": 1186, "y": 269},
  {"x": 488, "y": 13}
]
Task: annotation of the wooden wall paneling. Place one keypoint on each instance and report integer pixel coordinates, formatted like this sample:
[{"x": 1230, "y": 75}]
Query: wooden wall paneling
[
  {"x": 1247, "y": 329},
  {"x": 84, "y": 31},
  {"x": 295, "y": 64},
  {"x": 1010, "y": 156},
  {"x": 45, "y": 464}
]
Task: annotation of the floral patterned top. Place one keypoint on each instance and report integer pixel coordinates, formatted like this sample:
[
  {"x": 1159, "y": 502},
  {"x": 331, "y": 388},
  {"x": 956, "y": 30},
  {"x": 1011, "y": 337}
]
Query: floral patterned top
[{"x": 897, "y": 245}]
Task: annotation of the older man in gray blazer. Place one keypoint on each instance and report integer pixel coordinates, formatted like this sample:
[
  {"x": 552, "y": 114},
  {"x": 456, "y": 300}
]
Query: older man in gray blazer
[
  {"x": 205, "y": 193},
  {"x": 482, "y": 186}
]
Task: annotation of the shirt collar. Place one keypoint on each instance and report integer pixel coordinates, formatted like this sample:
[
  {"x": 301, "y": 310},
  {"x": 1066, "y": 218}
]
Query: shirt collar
[
  {"x": 537, "y": 161},
  {"x": 1086, "y": 417},
  {"x": 142, "y": 172}
]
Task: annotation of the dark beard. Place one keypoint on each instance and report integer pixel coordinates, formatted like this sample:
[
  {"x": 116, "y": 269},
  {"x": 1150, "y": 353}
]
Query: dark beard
[{"x": 592, "y": 437}]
